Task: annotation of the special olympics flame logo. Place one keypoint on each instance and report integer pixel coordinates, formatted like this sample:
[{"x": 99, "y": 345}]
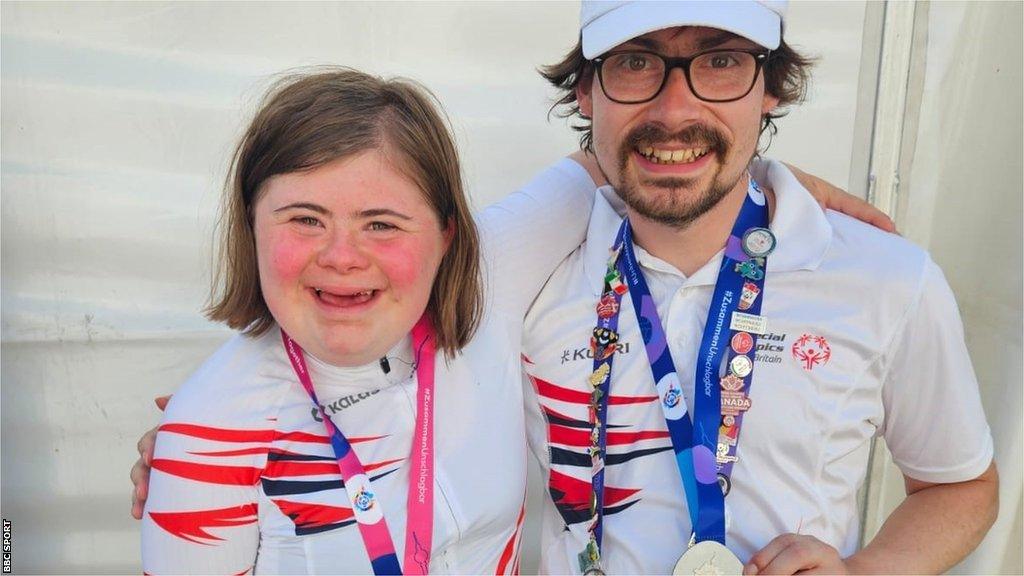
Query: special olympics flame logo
[{"x": 812, "y": 350}]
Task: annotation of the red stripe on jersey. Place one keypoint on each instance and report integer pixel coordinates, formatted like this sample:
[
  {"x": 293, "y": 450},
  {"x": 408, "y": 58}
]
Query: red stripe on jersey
[
  {"x": 311, "y": 515},
  {"x": 359, "y": 439},
  {"x": 555, "y": 392},
  {"x": 576, "y": 493},
  {"x": 219, "y": 434},
  {"x": 300, "y": 437},
  {"x": 192, "y": 525},
  {"x": 580, "y": 438},
  {"x": 370, "y": 467},
  {"x": 213, "y": 474},
  {"x": 240, "y": 452},
  {"x": 510, "y": 546}
]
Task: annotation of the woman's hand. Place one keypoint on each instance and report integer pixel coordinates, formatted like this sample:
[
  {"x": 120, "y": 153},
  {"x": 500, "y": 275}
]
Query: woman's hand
[
  {"x": 833, "y": 198},
  {"x": 140, "y": 471}
]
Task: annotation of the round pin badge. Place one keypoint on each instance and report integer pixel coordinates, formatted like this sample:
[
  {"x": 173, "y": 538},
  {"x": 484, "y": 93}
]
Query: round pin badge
[
  {"x": 742, "y": 342},
  {"x": 741, "y": 366},
  {"x": 758, "y": 242}
]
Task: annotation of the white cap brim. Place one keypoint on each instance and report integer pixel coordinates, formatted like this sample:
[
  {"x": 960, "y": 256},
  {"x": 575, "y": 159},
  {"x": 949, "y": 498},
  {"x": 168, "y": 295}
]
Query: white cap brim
[{"x": 751, "y": 20}]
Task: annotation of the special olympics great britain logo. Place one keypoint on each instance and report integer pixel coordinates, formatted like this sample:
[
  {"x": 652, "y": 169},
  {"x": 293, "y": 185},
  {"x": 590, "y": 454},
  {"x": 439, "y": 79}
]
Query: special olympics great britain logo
[{"x": 812, "y": 351}]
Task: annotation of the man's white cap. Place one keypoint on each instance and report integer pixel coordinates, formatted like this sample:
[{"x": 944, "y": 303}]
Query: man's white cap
[{"x": 607, "y": 23}]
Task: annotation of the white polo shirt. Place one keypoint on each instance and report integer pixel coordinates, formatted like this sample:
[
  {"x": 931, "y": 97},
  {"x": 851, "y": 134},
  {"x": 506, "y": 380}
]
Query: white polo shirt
[{"x": 897, "y": 367}]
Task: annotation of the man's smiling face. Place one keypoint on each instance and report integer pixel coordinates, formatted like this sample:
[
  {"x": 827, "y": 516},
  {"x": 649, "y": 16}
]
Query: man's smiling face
[{"x": 675, "y": 157}]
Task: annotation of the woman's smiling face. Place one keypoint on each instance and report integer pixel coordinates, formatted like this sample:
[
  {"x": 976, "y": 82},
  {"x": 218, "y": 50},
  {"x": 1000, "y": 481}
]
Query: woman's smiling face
[{"x": 347, "y": 256}]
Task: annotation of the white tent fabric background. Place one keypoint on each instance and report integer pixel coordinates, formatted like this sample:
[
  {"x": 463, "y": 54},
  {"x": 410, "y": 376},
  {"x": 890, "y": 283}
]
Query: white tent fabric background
[{"x": 117, "y": 122}]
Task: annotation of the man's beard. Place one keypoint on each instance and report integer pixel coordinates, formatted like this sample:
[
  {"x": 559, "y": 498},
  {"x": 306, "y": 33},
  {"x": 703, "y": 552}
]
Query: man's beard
[{"x": 685, "y": 202}]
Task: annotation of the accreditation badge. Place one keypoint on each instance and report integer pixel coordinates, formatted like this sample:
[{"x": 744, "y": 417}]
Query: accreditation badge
[{"x": 708, "y": 557}]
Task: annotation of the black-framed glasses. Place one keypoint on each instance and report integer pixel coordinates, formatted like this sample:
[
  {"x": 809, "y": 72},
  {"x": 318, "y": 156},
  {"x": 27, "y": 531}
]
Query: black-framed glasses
[{"x": 638, "y": 76}]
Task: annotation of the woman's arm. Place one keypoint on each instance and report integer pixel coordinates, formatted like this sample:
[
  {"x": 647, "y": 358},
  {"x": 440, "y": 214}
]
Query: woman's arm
[
  {"x": 201, "y": 516},
  {"x": 527, "y": 234}
]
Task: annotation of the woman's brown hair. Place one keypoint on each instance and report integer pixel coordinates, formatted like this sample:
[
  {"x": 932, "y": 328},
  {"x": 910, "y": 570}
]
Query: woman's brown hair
[{"x": 309, "y": 119}]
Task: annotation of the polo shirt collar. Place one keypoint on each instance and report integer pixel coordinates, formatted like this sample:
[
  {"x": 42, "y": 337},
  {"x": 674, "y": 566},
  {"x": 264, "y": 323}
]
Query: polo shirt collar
[{"x": 800, "y": 226}]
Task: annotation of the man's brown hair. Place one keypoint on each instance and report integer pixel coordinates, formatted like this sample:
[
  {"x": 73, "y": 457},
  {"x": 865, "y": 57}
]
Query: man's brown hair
[
  {"x": 309, "y": 119},
  {"x": 786, "y": 76}
]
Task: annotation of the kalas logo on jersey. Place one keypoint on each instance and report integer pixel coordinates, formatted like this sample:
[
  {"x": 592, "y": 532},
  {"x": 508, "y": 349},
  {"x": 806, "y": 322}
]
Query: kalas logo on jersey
[
  {"x": 342, "y": 403},
  {"x": 812, "y": 351}
]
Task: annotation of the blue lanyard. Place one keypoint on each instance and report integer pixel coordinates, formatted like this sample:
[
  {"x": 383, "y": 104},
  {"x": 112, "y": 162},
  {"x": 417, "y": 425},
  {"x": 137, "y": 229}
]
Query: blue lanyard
[{"x": 705, "y": 448}]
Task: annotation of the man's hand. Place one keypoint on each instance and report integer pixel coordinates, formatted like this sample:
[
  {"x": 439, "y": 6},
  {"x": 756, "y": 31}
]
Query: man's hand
[
  {"x": 935, "y": 527},
  {"x": 839, "y": 200},
  {"x": 796, "y": 554},
  {"x": 140, "y": 471}
]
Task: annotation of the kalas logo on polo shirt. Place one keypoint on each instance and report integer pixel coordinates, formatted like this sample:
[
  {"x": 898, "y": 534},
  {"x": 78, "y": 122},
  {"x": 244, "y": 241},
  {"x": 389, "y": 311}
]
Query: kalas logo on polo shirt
[
  {"x": 588, "y": 354},
  {"x": 812, "y": 351}
]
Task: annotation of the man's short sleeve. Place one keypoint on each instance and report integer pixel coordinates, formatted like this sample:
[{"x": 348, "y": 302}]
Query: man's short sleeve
[{"x": 934, "y": 424}]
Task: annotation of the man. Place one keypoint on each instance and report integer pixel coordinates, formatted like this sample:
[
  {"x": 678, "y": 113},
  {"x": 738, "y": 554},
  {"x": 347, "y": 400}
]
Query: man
[{"x": 819, "y": 332}]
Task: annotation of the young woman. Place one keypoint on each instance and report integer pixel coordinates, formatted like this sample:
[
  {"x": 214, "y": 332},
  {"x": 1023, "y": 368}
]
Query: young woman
[{"x": 351, "y": 265}]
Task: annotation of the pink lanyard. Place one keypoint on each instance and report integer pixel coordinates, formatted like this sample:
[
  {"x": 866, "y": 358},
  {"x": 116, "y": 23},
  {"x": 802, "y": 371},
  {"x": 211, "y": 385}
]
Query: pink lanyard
[{"x": 365, "y": 504}]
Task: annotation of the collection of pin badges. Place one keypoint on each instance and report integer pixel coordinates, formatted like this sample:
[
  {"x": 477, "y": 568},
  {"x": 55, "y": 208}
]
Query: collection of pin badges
[
  {"x": 757, "y": 243},
  {"x": 603, "y": 343}
]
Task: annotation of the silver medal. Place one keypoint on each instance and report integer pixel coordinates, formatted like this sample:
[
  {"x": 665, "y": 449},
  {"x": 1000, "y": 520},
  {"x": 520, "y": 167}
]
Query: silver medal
[{"x": 708, "y": 558}]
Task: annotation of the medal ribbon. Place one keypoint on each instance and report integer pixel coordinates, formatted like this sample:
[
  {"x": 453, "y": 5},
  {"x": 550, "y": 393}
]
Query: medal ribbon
[
  {"x": 737, "y": 269},
  {"x": 366, "y": 506},
  {"x": 696, "y": 454}
]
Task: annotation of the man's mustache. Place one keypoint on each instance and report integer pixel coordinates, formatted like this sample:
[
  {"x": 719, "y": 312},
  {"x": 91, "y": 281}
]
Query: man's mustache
[{"x": 696, "y": 136}]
